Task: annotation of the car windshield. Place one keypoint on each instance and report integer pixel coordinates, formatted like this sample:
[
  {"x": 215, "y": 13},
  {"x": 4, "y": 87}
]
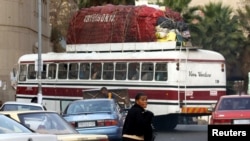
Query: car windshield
[
  {"x": 20, "y": 107},
  {"x": 241, "y": 103},
  {"x": 8, "y": 125},
  {"x": 46, "y": 123},
  {"x": 90, "y": 107}
]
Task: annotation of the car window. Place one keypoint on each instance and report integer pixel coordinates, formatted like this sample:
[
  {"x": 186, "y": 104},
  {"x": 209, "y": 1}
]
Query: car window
[
  {"x": 89, "y": 107},
  {"x": 19, "y": 107},
  {"x": 48, "y": 123},
  {"x": 234, "y": 104},
  {"x": 8, "y": 125}
]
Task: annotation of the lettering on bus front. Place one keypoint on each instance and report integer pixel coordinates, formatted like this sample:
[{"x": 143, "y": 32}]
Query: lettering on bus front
[{"x": 134, "y": 71}]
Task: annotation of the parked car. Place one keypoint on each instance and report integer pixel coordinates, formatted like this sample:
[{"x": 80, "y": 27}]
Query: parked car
[
  {"x": 11, "y": 130},
  {"x": 96, "y": 116},
  {"x": 231, "y": 109},
  {"x": 50, "y": 122},
  {"x": 20, "y": 106}
]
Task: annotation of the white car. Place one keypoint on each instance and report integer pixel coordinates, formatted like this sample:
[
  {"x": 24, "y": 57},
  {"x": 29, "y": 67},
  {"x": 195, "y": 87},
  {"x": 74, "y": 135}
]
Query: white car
[
  {"x": 50, "y": 122},
  {"x": 21, "y": 106},
  {"x": 11, "y": 130},
  {"x": 27, "y": 137}
]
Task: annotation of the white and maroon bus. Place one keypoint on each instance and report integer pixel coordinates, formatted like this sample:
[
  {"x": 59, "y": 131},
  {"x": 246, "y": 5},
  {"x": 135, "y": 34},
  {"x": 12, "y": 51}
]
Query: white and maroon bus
[{"x": 177, "y": 80}]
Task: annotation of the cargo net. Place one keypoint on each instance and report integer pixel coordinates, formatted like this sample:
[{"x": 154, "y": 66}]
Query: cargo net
[{"x": 122, "y": 23}]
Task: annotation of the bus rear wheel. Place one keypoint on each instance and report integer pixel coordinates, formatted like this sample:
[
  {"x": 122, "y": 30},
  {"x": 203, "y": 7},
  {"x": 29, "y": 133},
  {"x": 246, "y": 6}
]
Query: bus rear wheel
[{"x": 165, "y": 122}]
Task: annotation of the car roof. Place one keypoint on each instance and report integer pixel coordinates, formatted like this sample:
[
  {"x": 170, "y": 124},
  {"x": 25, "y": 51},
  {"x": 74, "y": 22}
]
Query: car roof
[
  {"x": 21, "y": 103},
  {"x": 30, "y": 111},
  {"x": 236, "y": 96},
  {"x": 95, "y": 99},
  {"x": 121, "y": 96}
]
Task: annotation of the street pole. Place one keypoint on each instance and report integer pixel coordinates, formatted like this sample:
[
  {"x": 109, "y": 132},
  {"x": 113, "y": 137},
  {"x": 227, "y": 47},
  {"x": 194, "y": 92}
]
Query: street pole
[{"x": 39, "y": 94}]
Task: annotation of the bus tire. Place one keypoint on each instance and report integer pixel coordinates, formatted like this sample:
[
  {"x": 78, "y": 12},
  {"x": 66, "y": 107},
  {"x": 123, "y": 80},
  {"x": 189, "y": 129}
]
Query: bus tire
[{"x": 165, "y": 122}]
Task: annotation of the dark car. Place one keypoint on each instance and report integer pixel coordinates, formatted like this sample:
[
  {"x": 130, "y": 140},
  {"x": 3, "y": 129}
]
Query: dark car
[
  {"x": 96, "y": 116},
  {"x": 231, "y": 109}
]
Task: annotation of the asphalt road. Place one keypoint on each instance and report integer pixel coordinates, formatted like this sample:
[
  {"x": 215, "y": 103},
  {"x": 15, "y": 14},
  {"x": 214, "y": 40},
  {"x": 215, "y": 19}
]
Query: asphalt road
[{"x": 184, "y": 133}]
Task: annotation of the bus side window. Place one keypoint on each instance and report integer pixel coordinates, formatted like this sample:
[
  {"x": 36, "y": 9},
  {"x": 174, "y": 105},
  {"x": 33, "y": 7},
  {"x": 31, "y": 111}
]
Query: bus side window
[
  {"x": 108, "y": 71},
  {"x": 31, "y": 71},
  {"x": 52, "y": 71},
  {"x": 23, "y": 73},
  {"x": 147, "y": 71},
  {"x": 73, "y": 71},
  {"x": 120, "y": 71},
  {"x": 96, "y": 69},
  {"x": 133, "y": 71},
  {"x": 84, "y": 71},
  {"x": 44, "y": 72},
  {"x": 62, "y": 71},
  {"x": 161, "y": 72}
]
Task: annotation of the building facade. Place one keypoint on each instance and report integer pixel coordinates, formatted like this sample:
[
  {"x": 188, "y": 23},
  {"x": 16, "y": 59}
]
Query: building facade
[{"x": 18, "y": 36}]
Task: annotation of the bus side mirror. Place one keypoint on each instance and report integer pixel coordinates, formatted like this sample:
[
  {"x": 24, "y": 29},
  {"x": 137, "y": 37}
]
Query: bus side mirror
[{"x": 13, "y": 78}]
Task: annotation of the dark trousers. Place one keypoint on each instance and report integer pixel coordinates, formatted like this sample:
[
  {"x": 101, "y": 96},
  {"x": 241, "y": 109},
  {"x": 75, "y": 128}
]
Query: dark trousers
[{"x": 128, "y": 139}]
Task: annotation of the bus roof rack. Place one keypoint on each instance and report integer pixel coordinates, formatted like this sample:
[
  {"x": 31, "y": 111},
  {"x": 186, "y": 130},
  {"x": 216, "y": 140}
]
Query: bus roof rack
[{"x": 125, "y": 47}]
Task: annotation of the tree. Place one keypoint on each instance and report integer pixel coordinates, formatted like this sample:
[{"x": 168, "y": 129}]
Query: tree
[
  {"x": 214, "y": 27},
  {"x": 61, "y": 12},
  {"x": 177, "y": 5},
  {"x": 244, "y": 18},
  {"x": 89, "y": 3}
]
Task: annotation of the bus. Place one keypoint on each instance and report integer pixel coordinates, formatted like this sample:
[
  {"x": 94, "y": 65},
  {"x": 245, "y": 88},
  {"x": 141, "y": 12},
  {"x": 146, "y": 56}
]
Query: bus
[{"x": 178, "y": 80}]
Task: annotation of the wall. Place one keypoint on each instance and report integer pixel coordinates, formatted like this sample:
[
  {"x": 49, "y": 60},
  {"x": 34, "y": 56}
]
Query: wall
[{"x": 18, "y": 35}]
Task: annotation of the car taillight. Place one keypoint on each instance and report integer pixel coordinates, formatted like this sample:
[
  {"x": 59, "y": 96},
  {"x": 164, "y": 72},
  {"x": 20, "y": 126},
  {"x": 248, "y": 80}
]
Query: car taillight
[
  {"x": 107, "y": 122},
  {"x": 221, "y": 121},
  {"x": 73, "y": 124}
]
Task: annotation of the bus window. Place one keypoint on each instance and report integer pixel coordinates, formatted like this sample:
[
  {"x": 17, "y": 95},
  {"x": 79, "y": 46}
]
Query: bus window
[
  {"x": 73, "y": 71},
  {"x": 31, "y": 71},
  {"x": 84, "y": 71},
  {"x": 108, "y": 71},
  {"x": 147, "y": 71},
  {"x": 133, "y": 71},
  {"x": 44, "y": 72},
  {"x": 96, "y": 69},
  {"x": 120, "y": 71},
  {"x": 62, "y": 71},
  {"x": 23, "y": 73},
  {"x": 161, "y": 72},
  {"x": 52, "y": 71}
]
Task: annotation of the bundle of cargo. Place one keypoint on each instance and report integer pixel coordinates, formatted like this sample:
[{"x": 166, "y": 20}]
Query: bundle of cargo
[
  {"x": 172, "y": 27},
  {"x": 113, "y": 24},
  {"x": 126, "y": 23}
]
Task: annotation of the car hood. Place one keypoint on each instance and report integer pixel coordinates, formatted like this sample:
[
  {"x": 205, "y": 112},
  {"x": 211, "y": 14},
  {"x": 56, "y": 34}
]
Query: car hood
[
  {"x": 27, "y": 137},
  {"x": 239, "y": 114},
  {"x": 89, "y": 116},
  {"x": 81, "y": 137}
]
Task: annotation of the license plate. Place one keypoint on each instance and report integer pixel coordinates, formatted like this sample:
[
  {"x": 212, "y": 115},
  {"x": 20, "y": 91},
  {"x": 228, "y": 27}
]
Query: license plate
[
  {"x": 86, "y": 124},
  {"x": 241, "y": 121}
]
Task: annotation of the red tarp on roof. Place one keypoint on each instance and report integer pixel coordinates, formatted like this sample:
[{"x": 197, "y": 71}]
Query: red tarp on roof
[{"x": 112, "y": 24}]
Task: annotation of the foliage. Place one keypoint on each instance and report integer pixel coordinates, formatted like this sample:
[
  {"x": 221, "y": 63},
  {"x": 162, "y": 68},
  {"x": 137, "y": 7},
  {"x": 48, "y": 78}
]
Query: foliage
[
  {"x": 61, "y": 12},
  {"x": 89, "y": 3},
  {"x": 214, "y": 28},
  {"x": 244, "y": 18},
  {"x": 177, "y": 5}
]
